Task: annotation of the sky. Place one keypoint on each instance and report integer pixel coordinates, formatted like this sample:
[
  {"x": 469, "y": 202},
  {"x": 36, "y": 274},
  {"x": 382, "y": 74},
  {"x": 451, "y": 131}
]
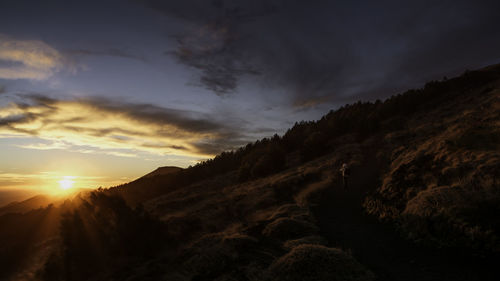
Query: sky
[{"x": 102, "y": 92}]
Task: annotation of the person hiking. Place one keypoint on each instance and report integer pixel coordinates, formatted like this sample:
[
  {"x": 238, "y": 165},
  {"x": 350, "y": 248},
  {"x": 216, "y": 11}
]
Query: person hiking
[{"x": 346, "y": 172}]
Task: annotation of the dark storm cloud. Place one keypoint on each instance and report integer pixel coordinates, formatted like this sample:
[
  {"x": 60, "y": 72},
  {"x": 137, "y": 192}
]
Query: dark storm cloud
[
  {"x": 113, "y": 52},
  {"x": 153, "y": 127},
  {"x": 213, "y": 44},
  {"x": 13, "y": 119},
  {"x": 326, "y": 51}
]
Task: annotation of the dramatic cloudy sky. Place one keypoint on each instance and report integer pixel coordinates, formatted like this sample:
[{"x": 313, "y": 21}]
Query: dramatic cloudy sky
[{"x": 105, "y": 91}]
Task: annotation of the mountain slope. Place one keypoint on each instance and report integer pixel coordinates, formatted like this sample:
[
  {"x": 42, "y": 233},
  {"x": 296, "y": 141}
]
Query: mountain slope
[
  {"x": 425, "y": 163},
  {"x": 163, "y": 171},
  {"x": 31, "y": 203},
  {"x": 442, "y": 180}
]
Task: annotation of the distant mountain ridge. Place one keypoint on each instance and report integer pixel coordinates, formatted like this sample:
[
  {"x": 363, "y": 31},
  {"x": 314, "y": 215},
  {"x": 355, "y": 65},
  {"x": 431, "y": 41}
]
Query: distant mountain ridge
[
  {"x": 163, "y": 171},
  {"x": 40, "y": 201},
  {"x": 27, "y": 205},
  {"x": 9, "y": 196}
]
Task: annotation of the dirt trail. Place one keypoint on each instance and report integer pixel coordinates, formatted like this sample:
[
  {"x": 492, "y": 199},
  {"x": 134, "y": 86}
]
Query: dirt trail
[{"x": 379, "y": 247}]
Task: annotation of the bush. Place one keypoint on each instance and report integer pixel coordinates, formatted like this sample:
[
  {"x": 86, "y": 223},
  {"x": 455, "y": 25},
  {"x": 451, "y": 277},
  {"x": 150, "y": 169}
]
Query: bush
[
  {"x": 455, "y": 216},
  {"x": 287, "y": 228},
  {"x": 316, "y": 263},
  {"x": 214, "y": 254}
]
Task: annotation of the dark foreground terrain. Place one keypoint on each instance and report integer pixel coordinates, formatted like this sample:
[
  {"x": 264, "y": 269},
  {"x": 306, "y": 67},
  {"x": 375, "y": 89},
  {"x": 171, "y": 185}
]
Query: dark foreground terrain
[
  {"x": 381, "y": 247},
  {"x": 422, "y": 203}
]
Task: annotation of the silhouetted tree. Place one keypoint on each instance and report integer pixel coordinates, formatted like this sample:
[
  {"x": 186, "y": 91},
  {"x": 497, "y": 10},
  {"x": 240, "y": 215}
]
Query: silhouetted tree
[{"x": 102, "y": 234}]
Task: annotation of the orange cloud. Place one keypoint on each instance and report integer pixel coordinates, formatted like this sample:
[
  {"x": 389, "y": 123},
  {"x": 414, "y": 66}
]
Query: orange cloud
[{"x": 117, "y": 128}]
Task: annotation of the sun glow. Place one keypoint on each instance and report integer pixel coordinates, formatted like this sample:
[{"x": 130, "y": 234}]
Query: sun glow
[{"x": 66, "y": 183}]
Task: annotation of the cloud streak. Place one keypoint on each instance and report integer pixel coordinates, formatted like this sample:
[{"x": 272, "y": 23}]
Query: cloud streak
[
  {"x": 112, "y": 52},
  {"x": 98, "y": 125},
  {"x": 28, "y": 59}
]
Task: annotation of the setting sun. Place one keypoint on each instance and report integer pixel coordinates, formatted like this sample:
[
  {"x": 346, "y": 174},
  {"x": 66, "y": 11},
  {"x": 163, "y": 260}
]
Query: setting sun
[{"x": 66, "y": 183}]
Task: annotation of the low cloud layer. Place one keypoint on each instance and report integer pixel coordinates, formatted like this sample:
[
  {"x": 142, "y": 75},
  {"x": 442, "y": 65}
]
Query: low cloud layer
[
  {"x": 99, "y": 125},
  {"x": 28, "y": 59}
]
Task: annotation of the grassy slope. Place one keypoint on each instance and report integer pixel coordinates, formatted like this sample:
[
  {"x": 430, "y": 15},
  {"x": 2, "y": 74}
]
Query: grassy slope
[
  {"x": 431, "y": 170},
  {"x": 442, "y": 180},
  {"x": 426, "y": 161},
  {"x": 252, "y": 230},
  {"x": 436, "y": 177}
]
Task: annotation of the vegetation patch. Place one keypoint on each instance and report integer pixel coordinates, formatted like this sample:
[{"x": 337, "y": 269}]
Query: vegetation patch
[
  {"x": 477, "y": 138},
  {"x": 455, "y": 217},
  {"x": 313, "y": 239},
  {"x": 288, "y": 228},
  {"x": 315, "y": 263}
]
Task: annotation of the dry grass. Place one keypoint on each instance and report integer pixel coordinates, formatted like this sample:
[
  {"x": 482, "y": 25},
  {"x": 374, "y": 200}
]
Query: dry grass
[
  {"x": 289, "y": 228},
  {"x": 236, "y": 232},
  {"x": 313, "y": 240},
  {"x": 213, "y": 253},
  {"x": 442, "y": 184}
]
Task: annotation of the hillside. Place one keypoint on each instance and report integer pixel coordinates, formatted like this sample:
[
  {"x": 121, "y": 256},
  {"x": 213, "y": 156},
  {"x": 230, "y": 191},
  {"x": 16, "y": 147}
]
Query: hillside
[
  {"x": 422, "y": 202},
  {"x": 163, "y": 171},
  {"x": 9, "y": 196},
  {"x": 26, "y": 205}
]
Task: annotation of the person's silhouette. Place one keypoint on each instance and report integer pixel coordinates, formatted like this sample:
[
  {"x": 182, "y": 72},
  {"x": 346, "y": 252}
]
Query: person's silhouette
[{"x": 345, "y": 174}]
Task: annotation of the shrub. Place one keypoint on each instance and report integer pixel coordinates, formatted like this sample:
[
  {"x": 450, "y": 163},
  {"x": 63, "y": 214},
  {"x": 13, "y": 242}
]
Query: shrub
[
  {"x": 316, "y": 263},
  {"x": 214, "y": 254},
  {"x": 287, "y": 228},
  {"x": 455, "y": 216}
]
